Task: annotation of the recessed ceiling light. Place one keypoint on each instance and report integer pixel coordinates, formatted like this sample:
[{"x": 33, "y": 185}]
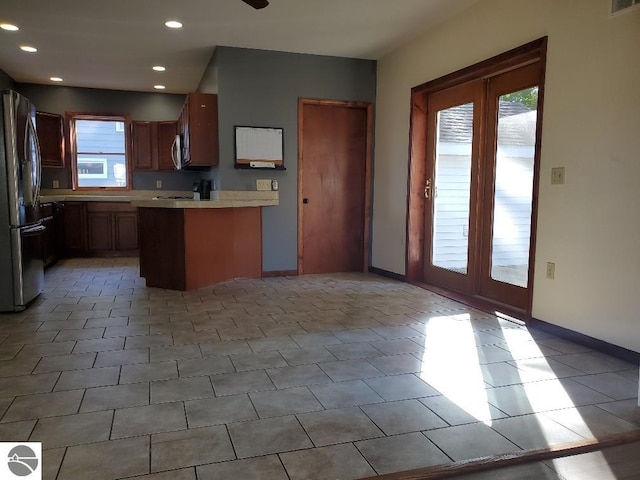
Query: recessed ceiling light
[
  {"x": 159, "y": 68},
  {"x": 28, "y": 48},
  {"x": 173, "y": 24},
  {"x": 55, "y": 79},
  {"x": 9, "y": 27},
  {"x": 159, "y": 87}
]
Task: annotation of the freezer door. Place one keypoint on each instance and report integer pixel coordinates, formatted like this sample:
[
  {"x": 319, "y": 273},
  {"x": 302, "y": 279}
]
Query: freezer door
[
  {"x": 22, "y": 159},
  {"x": 28, "y": 267}
]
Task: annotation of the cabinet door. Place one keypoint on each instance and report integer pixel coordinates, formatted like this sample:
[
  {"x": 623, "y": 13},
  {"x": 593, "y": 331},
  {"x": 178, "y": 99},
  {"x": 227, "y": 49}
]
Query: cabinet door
[
  {"x": 51, "y": 139},
  {"x": 166, "y": 134},
  {"x": 75, "y": 229},
  {"x": 100, "y": 231},
  {"x": 126, "y": 231},
  {"x": 203, "y": 129},
  {"x": 48, "y": 241},
  {"x": 143, "y": 145}
]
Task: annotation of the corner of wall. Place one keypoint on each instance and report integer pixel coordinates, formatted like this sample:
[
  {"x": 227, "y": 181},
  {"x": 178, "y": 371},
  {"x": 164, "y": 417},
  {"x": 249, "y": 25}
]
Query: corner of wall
[
  {"x": 6, "y": 82},
  {"x": 209, "y": 80}
]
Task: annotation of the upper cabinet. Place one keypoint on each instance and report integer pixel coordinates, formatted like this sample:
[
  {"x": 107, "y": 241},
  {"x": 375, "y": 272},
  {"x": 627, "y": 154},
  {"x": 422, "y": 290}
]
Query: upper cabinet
[
  {"x": 198, "y": 127},
  {"x": 166, "y": 135},
  {"x": 51, "y": 138},
  {"x": 151, "y": 142},
  {"x": 151, "y": 145}
]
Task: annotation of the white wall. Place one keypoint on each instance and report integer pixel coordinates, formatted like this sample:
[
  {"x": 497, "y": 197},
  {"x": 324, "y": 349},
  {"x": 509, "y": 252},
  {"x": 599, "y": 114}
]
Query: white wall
[{"x": 589, "y": 227}]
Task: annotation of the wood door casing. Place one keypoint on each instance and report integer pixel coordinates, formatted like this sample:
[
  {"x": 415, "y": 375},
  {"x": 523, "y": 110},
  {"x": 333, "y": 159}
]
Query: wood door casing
[{"x": 334, "y": 177}]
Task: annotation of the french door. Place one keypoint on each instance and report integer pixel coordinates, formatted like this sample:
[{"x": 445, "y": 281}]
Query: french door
[{"x": 481, "y": 158}]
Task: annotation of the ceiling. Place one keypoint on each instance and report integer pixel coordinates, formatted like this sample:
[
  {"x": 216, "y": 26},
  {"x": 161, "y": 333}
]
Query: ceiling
[{"x": 114, "y": 43}]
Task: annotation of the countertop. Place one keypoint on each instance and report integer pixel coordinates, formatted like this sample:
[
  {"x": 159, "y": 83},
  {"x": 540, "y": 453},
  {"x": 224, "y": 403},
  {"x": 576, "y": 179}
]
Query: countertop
[
  {"x": 149, "y": 198},
  {"x": 64, "y": 195}
]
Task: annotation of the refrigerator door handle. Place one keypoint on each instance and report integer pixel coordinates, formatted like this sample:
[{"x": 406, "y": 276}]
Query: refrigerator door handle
[
  {"x": 32, "y": 231},
  {"x": 36, "y": 164}
]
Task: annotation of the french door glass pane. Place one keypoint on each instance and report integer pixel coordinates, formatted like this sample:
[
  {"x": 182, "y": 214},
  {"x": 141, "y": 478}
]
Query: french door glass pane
[
  {"x": 513, "y": 191},
  {"x": 452, "y": 188}
]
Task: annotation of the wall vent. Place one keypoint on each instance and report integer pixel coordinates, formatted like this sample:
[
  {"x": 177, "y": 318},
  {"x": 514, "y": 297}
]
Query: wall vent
[{"x": 619, "y": 6}]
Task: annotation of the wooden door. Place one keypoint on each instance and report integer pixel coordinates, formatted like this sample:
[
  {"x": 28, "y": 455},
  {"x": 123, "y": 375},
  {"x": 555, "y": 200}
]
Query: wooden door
[
  {"x": 451, "y": 187},
  {"x": 502, "y": 190},
  {"x": 333, "y": 186},
  {"x": 482, "y": 147},
  {"x": 511, "y": 156}
]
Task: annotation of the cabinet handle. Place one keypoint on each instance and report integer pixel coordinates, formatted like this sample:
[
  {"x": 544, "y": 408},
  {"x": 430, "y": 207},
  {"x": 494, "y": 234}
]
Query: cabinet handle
[{"x": 305, "y": 200}]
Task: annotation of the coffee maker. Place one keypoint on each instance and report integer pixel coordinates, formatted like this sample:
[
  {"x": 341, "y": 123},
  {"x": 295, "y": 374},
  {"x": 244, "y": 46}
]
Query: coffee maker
[{"x": 202, "y": 190}]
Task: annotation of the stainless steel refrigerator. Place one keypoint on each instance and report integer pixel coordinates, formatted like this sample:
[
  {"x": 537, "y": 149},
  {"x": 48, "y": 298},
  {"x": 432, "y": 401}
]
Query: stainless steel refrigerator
[{"x": 21, "y": 232}]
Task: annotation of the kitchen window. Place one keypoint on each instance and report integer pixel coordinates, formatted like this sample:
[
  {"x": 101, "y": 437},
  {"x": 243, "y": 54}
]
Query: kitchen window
[{"x": 99, "y": 151}]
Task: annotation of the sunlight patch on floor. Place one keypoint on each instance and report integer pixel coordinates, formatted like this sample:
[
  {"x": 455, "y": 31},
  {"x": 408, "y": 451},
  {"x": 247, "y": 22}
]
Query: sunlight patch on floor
[{"x": 450, "y": 364}]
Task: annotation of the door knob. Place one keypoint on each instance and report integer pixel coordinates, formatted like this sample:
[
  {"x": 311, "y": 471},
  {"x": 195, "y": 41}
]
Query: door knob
[
  {"x": 427, "y": 189},
  {"x": 305, "y": 200}
]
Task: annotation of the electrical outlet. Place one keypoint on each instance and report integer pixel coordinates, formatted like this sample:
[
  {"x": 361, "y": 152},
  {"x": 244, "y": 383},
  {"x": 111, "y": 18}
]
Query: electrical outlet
[
  {"x": 551, "y": 270},
  {"x": 158, "y": 183},
  {"x": 557, "y": 176},
  {"x": 263, "y": 184},
  {"x": 56, "y": 184}
]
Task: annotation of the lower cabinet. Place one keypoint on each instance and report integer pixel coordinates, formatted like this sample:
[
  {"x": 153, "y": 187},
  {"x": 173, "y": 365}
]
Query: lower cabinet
[
  {"x": 100, "y": 229},
  {"x": 74, "y": 225},
  {"x": 112, "y": 229},
  {"x": 52, "y": 241}
]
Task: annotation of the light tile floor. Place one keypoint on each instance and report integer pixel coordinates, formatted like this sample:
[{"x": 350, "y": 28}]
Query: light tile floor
[{"x": 329, "y": 376}]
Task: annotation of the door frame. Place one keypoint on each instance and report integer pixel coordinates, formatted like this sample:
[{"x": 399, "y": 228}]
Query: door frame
[
  {"x": 368, "y": 107},
  {"x": 535, "y": 51}
]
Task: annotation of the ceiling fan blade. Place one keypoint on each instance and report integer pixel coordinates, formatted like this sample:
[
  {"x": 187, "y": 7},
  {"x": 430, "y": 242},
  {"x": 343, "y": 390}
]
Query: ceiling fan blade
[{"x": 257, "y": 4}]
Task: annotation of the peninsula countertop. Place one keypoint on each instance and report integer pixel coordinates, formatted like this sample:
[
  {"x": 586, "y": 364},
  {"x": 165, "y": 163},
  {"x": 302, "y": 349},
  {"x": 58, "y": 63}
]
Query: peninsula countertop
[
  {"x": 219, "y": 199},
  {"x": 168, "y": 199}
]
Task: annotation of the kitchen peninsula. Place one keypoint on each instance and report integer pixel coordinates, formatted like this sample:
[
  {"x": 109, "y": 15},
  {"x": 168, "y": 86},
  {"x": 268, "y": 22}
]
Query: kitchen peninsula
[{"x": 189, "y": 244}]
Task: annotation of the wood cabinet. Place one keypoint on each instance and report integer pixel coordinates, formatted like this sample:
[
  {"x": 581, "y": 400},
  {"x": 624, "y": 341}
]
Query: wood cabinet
[
  {"x": 166, "y": 135},
  {"x": 198, "y": 128},
  {"x": 52, "y": 241},
  {"x": 75, "y": 229},
  {"x": 100, "y": 229},
  {"x": 185, "y": 249},
  {"x": 112, "y": 229},
  {"x": 51, "y": 138},
  {"x": 151, "y": 145}
]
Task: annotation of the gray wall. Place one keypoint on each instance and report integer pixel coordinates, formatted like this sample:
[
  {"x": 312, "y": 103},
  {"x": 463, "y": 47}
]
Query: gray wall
[
  {"x": 262, "y": 88},
  {"x": 138, "y": 105},
  {"x": 6, "y": 82}
]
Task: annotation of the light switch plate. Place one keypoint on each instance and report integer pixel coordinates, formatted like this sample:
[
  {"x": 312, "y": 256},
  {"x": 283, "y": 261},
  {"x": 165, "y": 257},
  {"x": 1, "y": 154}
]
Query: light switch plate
[
  {"x": 551, "y": 270},
  {"x": 56, "y": 184},
  {"x": 557, "y": 176},
  {"x": 263, "y": 184}
]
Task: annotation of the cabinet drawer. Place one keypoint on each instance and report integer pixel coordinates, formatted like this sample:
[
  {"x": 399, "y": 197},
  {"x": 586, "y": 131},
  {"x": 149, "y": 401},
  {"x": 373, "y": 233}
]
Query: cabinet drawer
[{"x": 110, "y": 207}]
